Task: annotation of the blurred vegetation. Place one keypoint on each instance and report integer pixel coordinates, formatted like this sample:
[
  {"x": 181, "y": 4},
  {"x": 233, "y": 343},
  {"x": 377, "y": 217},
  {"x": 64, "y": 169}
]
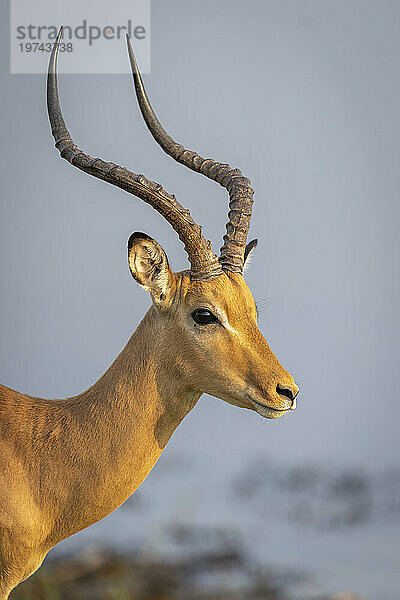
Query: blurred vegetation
[{"x": 101, "y": 575}]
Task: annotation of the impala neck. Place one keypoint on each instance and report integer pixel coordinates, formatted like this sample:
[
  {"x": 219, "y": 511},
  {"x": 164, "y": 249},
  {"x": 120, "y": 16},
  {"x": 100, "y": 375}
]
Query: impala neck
[
  {"x": 121, "y": 426},
  {"x": 139, "y": 392}
]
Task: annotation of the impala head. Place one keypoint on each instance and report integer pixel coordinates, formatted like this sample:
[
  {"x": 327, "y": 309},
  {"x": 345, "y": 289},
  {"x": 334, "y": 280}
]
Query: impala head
[
  {"x": 211, "y": 327},
  {"x": 207, "y": 313}
]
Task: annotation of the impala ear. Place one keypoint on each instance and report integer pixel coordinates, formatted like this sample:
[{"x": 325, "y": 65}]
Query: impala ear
[
  {"x": 149, "y": 265},
  {"x": 249, "y": 251}
]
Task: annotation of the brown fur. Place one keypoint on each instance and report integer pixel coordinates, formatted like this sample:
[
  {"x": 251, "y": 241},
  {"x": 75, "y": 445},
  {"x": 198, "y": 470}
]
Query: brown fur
[{"x": 66, "y": 464}]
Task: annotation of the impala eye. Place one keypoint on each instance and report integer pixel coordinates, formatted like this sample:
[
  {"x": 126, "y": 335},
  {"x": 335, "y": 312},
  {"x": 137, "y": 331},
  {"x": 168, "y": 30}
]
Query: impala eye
[{"x": 202, "y": 316}]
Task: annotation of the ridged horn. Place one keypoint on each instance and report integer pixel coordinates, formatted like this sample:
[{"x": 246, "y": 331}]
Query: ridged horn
[
  {"x": 204, "y": 263},
  {"x": 238, "y": 186}
]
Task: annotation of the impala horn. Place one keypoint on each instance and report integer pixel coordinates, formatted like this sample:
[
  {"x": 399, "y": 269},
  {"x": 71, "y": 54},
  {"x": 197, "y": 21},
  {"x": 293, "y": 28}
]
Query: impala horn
[
  {"x": 232, "y": 253},
  {"x": 204, "y": 263}
]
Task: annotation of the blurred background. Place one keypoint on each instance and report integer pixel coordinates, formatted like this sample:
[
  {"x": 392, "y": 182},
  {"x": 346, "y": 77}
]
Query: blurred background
[{"x": 303, "y": 96}]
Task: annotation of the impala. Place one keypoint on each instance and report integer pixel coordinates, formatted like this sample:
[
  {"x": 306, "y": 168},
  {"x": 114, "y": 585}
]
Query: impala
[{"x": 66, "y": 464}]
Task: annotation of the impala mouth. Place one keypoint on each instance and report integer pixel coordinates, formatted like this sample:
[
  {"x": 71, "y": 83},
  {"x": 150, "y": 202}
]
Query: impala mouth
[{"x": 267, "y": 411}]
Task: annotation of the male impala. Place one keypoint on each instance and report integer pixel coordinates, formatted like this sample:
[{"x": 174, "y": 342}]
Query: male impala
[{"x": 66, "y": 464}]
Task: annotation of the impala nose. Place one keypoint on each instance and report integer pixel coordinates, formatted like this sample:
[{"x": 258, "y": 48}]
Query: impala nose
[{"x": 288, "y": 392}]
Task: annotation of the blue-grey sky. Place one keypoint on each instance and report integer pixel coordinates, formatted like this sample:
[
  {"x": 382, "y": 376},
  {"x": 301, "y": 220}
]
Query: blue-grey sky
[{"x": 304, "y": 97}]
